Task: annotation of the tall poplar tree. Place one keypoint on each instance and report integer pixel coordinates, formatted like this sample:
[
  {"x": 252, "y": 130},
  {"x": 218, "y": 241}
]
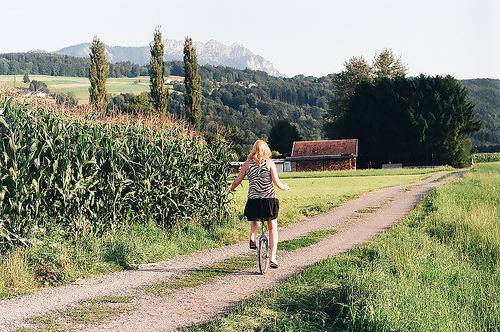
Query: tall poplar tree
[
  {"x": 98, "y": 74},
  {"x": 159, "y": 94},
  {"x": 192, "y": 82}
]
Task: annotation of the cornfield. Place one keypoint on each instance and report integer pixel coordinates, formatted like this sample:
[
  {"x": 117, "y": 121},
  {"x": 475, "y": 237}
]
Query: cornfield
[{"x": 89, "y": 176}]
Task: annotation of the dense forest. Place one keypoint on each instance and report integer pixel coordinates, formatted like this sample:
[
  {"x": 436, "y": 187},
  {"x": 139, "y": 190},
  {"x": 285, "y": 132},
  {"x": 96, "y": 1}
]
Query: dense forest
[
  {"x": 415, "y": 121},
  {"x": 246, "y": 104},
  {"x": 248, "y": 110},
  {"x": 484, "y": 93},
  {"x": 61, "y": 65}
]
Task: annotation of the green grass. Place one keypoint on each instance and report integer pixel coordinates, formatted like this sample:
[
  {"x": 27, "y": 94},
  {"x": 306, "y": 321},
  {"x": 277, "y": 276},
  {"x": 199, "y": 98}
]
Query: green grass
[
  {"x": 323, "y": 191},
  {"x": 202, "y": 276},
  {"x": 365, "y": 172},
  {"x": 80, "y": 85},
  {"x": 94, "y": 313},
  {"x": 88, "y": 312},
  {"x": 54, "y": 260},
  {"x": 109, "y": 299},
  {"x": 439, "y": 270},
  {"x": 16, "y": 277},
  {"x": 45, "y": 323},
  {"x": 306, "y": 240},
  {"x": 22, "y": 270}
]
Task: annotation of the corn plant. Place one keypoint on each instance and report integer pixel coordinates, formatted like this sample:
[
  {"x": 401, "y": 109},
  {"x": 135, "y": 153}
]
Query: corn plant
[{"x": 88, "y": 177}]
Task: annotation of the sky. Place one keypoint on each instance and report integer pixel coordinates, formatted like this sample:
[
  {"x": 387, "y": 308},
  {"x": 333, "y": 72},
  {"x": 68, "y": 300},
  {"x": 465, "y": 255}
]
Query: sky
[{"x": 310, "y": 37}]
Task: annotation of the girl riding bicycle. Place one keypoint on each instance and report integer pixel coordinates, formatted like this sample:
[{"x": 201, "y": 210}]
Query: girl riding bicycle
[{"x": 262, "y": 204}]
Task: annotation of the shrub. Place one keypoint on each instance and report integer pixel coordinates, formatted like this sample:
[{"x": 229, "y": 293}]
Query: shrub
[
  {"x": 140, "y": 104},
  {"x": 50, "y": 261},
  {"x": 129, "y": 103},
  {"x": 15, "y": 276},
  {"x": 36, "y": 86},
  {"x": 67, "y": 99}
]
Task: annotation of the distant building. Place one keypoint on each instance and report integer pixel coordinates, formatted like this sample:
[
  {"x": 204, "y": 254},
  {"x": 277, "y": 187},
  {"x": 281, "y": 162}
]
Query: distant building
[
  {"x": 282, "y": 165},
  {"x": 235, "y": 166},
  {"x": 324, "y": 155},
  {"x": 38, "y": 94}
]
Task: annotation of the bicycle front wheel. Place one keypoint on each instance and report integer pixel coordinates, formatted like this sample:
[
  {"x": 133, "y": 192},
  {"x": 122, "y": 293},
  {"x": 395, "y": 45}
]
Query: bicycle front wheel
[{"x": 263, "y": 254}]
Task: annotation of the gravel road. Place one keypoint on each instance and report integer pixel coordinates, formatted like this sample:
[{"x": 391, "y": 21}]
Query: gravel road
[{"x": 197, "y": 305}]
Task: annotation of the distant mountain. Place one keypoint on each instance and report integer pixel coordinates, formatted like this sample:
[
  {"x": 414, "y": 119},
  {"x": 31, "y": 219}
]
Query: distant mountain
[{"x": 211, "y": 53}]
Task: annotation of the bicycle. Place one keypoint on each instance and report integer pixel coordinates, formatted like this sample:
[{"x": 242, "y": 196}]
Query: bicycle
[{"x": 263, "y": 250}]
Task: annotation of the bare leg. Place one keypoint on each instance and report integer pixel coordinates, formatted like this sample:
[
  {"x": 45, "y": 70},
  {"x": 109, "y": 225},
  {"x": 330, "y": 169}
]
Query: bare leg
[
  {"x": 273, "y": 237},
  {"x": 253, "y": 230}
]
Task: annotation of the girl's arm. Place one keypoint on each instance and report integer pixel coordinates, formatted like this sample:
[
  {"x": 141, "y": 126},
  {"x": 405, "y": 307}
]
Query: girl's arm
[
  {"x": 240, "y": 177},
  {"x": 274, "y": 175}
]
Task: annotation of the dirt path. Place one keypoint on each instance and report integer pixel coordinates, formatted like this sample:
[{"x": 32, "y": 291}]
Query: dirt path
[{"x": 196, "y": 305}]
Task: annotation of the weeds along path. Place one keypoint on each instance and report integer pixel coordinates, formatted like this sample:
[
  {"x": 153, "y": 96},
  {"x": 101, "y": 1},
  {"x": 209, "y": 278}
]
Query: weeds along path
[{"x": 356, "y": 222}]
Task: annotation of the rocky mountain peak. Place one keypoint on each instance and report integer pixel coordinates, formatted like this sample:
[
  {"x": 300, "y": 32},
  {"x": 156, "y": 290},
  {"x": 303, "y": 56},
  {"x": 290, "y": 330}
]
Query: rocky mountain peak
[{"x": 211, "y": 52}]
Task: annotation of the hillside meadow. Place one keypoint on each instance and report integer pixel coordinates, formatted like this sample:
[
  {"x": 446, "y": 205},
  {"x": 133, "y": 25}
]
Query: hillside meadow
[
  {"x": 80, "y": 85},
  {"x": 438, "y": 270}
]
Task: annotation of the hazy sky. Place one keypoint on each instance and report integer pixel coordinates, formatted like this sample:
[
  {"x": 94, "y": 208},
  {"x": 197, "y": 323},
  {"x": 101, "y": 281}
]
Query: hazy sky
[{"x": 309, "y": 37}]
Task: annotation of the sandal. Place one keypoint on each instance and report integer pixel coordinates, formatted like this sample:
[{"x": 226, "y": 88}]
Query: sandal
[
  {"x": 252, "y": 245},
  {"x": 273, "y": 265}
]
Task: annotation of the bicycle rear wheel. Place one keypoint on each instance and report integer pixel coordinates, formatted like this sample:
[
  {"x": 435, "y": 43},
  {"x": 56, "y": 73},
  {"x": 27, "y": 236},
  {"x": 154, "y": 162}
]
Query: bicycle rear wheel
[{"x": 263, "y": 254}]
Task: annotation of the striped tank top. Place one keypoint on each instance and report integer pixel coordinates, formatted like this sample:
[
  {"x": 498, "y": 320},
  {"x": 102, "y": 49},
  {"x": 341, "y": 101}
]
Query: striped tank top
[{"x": 260, "y": 181}]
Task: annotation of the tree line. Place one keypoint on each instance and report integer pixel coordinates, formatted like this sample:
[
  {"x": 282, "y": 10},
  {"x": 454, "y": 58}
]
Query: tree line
[
  {"x": 61, "y": 65},
  {"x": 158, "y": 95},
  {"x": 244, "y": 105},
  {"x": 419, "y": 121}
]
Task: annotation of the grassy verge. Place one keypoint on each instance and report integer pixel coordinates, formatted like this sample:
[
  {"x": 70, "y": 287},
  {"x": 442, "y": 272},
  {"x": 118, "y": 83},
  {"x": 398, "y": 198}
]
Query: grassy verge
[
  {"x": 54, "y": 259},
  {"x": 88, "y": 312},
  {"x": 306, "y": 240},
  {"x": 202, "y": 276},
  {"x": 439, "y": 270}
]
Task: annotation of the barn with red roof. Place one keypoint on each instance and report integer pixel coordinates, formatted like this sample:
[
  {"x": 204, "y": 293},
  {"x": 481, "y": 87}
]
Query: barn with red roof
[{"x": 324, "y": 155}]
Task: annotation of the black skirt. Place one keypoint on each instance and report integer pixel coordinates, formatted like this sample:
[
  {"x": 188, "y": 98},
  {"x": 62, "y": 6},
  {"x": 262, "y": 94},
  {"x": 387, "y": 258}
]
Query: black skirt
[{"x": 262, "y": 209}]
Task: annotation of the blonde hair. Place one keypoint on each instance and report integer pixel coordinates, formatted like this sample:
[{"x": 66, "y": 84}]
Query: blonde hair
[{"x": 260, "y": 151}]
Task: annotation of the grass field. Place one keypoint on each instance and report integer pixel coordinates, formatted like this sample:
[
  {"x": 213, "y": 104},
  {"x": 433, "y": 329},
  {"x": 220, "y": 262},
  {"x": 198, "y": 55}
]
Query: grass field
[
  {"x": 135, "y": 244},
  {"x": 315, "y": 192},
  {"x": 80, "y": 85},
  {"x": 439, "y": 270}
]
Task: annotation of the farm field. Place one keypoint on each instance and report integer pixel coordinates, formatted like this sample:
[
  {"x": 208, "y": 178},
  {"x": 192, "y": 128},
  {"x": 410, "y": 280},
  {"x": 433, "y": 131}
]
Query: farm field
[
  {"x": 438, "y": 270},
  {"x": 134, "y": 244},
  {"x": 80, "y": 85}
]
